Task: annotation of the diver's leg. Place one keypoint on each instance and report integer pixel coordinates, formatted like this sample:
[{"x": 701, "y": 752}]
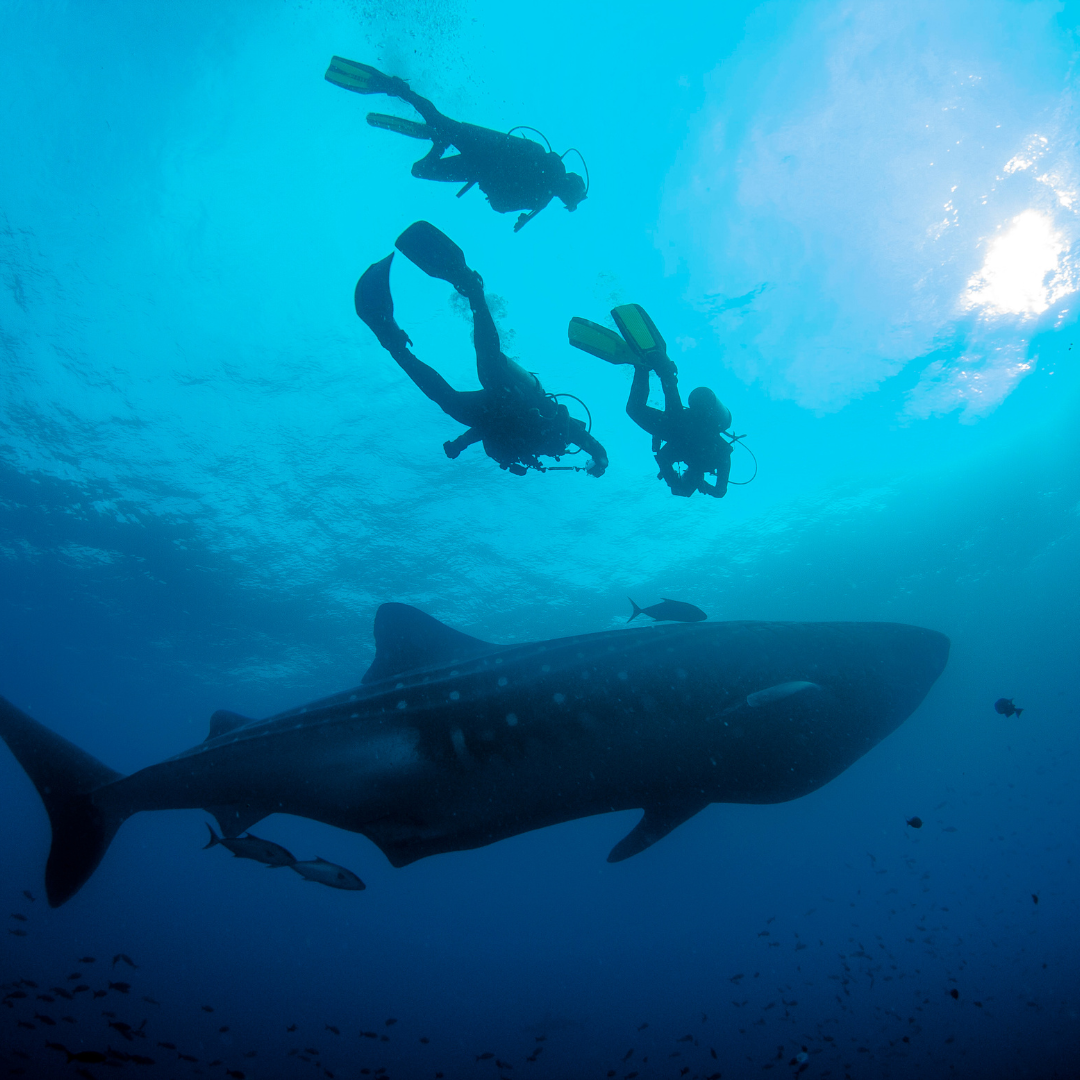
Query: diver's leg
[
  {"x": 491, "y": 365},
  {"x": 637, "y": 405},
  {"x": 464, "y": 406}
]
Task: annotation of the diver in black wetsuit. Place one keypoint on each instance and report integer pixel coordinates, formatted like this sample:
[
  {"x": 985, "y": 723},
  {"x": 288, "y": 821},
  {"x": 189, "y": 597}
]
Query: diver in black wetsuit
[
  {"x": 689, "y": 435},
  {"x": 513, "y": 416},
  {"x": 514, "y": 173}
]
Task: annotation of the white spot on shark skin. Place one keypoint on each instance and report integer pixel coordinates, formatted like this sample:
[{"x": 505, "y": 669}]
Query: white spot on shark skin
[
  {"x": 559, "y": 698},
  {"x": 623, "y": 676},
  {"x": 503, "y": 680},
  {"x": 776, "y": 693},
  {"x": 454, "y": 695},
  {"x": 402, "y": 704},
  {"x": 511, "y": 719},
  {"x": 545, "y": 668}
]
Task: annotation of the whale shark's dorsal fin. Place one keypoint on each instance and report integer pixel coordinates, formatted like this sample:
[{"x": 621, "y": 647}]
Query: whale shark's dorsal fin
[
  {"x": 406, "y": 638},
  {"x": 223, "y": 721},
  {"x": 658, "y": 820}
]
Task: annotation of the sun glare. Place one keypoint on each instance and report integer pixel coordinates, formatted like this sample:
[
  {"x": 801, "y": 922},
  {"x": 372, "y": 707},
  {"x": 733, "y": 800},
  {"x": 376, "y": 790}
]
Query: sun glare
[{"x": 1013, "y": 279}]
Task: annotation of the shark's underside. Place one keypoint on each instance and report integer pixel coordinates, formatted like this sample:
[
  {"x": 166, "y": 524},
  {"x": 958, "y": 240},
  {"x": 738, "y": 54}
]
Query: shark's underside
[{"x": 452, "y": 743}]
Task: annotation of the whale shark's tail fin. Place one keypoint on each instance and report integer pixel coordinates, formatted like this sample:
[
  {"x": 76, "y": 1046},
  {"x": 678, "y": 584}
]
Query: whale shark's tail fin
[{"x": 64, "y": 777}]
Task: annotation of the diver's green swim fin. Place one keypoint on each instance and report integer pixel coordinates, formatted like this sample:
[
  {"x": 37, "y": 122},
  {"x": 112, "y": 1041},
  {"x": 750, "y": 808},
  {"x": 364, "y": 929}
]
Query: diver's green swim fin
[
  {"x": 640, "y": 332},
  {"x": 360, "y": 78},
  {"x": 437, "y": 255},
  {"x": 600, "y": 341},
  {"x": 396, "y": 123}
]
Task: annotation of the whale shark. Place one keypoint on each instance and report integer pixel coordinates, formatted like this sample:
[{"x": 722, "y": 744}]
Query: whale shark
[{"x": 451, "y": 742}]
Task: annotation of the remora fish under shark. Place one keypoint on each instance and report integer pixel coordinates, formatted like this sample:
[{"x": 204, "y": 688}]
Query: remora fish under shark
[{"x": 452, "y": 743}]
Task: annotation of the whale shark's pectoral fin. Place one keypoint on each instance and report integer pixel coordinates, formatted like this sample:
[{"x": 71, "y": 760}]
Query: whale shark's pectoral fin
[{"x": 657, "y": 821}]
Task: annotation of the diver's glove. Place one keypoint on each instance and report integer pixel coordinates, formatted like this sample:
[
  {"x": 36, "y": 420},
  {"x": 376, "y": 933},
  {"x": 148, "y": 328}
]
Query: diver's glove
[{"x": 596, "y": 468}]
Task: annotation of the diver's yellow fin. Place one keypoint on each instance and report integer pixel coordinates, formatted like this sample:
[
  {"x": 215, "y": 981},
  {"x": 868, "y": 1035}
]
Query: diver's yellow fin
[
  {"x": 640, "y": 332},
  {"x": 360, "y": 78},
  {"x": 600, "y": 341},
  {"x": 395, "y": 123}
]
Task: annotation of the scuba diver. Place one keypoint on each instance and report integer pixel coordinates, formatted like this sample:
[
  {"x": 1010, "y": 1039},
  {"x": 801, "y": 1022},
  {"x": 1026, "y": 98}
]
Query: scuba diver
[
  {"x": 514, "y": 173},
  {"x": 688, "y": 435},
  {"x": 517, "y": 421}
]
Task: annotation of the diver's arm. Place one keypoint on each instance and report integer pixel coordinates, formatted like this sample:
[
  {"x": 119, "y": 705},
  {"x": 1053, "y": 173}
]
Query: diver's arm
[
  {"x": 637, "y": 405},
  {"x": 524, "y": 219},
  {"x": 580, "y": 437},
  {"x": 723, "y": 471},
  {"x": 465, "y": 439}
]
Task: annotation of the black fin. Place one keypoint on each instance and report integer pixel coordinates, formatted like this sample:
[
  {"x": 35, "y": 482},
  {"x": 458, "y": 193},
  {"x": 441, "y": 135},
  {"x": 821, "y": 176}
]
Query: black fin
[
  {"x": 223, "y": 721},
  {"x": 65, "y": 777},
  {"x": 406, "y": 638},
  {"x": 637, "y": 610},
  {"x": 657, "y": 821},
  {"x": 214, "y": 838},
  {"x": 437, "y": 255}
]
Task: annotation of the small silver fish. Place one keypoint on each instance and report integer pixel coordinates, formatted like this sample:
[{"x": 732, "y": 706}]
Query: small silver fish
[
  {"x": 327, "y": 873},
  {"x": 251, "y": 847}
]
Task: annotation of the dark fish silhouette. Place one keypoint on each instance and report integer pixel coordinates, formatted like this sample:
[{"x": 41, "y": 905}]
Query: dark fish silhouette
[
  {"x": 18, "y": 933},
  {"x": 954, "y": 994},
  {"x": 207, "y": 1008},
  {"x": 327, "y": 873},
  {"x": 16, "y": 915},
  {"x": 291, "y": 1027},
  {"x": 667, "y": 706},
  {"x": 251, "y": 847},
  {"x": 122, "y": 987},
  {"x": 167, "y": 1046},
  {"x": 86, "y": 1057},
  {"x": 29, "y": 895},
  {"x": 669, "y": 611},
  {"x": 486, "y": 1056},
  {"x": 1035, "y": 898},
  {"x": 127, "y": 960},
  {"x": 330, "y": 1027},
  {"x": 1005, "y": 707},
  {"x": 86, "y": 960},
  {"x": 915, "y": 822}
]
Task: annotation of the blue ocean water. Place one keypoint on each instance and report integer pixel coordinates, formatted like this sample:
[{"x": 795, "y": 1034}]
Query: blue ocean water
[{"x": 857, "y": 223}]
